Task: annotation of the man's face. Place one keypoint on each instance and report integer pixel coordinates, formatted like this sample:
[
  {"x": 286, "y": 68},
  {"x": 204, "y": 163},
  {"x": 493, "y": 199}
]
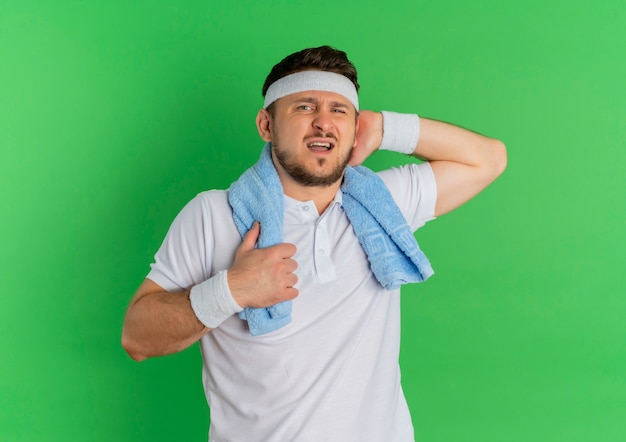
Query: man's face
[{"x": 312, "y": 135}]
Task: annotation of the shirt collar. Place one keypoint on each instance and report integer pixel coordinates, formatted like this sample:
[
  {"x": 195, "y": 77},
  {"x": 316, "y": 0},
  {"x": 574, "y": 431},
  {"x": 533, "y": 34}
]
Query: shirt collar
[{"x": 309, "y": 206}]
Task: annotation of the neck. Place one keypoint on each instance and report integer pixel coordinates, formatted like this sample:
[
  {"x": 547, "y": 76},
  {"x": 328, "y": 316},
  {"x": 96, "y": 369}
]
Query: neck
[{"x": 321, "y": 196}]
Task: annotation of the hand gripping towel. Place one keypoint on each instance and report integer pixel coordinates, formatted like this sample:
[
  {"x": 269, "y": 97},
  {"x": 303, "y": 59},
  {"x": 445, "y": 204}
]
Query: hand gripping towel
[{"x": 391, "y": 248}]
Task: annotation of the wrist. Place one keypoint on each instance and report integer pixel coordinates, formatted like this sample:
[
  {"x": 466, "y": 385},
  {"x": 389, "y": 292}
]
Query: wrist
[
  {"x": 212, "y": 301},
  {"x": 400, "y": 132}
]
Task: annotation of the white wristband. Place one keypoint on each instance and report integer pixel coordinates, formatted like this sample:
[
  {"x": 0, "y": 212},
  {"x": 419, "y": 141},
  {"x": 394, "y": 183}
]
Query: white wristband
[
  {"x": 400, "y": 132},
  {"x": 212, "y": 301}
]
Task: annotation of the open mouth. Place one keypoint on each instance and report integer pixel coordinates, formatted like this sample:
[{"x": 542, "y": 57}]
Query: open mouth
[{"x": 320, "y": 146}]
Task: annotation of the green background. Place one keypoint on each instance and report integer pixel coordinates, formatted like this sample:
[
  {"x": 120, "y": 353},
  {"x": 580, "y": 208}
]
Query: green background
[{"x": 114, "y": 114}]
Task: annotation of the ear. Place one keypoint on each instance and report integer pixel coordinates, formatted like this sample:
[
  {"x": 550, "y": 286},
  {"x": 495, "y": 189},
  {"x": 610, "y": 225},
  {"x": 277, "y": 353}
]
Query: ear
[{"x": 263, "y": 125}]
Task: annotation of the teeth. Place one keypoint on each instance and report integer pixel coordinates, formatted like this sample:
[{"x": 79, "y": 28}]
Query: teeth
[{"x": 325, "y": 145}]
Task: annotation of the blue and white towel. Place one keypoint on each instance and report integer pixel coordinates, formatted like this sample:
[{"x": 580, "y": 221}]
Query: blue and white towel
[{"x": 391, "y": 248}]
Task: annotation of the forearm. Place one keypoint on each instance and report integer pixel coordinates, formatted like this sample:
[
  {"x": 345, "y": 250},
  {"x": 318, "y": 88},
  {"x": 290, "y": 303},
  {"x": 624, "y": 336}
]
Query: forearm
[{"x": 160, "y": 323}]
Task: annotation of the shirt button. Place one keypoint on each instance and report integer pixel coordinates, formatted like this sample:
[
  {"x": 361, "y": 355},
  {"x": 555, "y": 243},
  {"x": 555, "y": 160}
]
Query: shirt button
[
  {"x": 322, "y": 251},
  {"x": 305, "y": 208}
]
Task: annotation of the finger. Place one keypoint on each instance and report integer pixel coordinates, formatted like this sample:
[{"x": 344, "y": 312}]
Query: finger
[
  {"x": 286, "y": 250},
  {"x": 290, "y": 293},
  {"x": 291, "y": 280},
  {"x": 250, "y": 239},
  {"x": 290, "y": 265}
]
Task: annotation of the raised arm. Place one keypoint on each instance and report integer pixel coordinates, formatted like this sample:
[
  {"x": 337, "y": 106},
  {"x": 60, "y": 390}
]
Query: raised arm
[{"x": 463, "y": 162}]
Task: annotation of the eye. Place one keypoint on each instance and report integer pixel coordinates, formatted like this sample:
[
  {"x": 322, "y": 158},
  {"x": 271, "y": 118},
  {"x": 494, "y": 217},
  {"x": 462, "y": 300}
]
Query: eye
[{"x": 304, "y": 107}]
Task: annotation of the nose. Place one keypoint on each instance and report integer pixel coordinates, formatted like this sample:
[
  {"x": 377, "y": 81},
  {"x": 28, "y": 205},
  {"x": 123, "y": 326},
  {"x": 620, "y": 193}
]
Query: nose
[{"x": 323, "y": 121}]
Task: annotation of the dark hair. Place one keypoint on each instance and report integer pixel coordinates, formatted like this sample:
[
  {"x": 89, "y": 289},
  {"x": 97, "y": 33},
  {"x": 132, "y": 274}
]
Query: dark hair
[{"x": 323, "y": 58}]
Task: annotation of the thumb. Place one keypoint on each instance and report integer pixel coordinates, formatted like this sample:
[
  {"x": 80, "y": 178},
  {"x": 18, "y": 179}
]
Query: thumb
[{"x": 250, "y": 239}]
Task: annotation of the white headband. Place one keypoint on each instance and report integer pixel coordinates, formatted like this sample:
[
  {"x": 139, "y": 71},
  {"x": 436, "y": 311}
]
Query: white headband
[{"x": 311, "y": 81}]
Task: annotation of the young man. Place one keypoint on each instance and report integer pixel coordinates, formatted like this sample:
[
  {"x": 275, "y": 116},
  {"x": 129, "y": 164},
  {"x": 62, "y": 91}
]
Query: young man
[{"x": 299, "y": 321}]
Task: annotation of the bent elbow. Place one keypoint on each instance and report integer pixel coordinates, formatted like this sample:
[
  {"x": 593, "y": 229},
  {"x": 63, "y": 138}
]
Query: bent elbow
[
  {"x": 502, "y": 157},
  {"x": 132, "y": 349},
  {"x": 498, "y": 160}
]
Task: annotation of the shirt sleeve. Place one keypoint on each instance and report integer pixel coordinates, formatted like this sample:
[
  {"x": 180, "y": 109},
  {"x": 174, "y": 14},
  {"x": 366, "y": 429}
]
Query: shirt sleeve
[
  {"x": 414, "y": 190},
  {"x": 181, "y": 261}
]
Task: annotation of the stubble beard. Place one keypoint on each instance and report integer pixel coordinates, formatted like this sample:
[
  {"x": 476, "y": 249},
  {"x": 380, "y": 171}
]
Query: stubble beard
[{"x": 298, "y": 172}]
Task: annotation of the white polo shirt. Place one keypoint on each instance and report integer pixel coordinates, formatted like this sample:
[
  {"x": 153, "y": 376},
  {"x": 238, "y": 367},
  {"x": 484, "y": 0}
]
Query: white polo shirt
[{"x": 332, "y": 374}]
